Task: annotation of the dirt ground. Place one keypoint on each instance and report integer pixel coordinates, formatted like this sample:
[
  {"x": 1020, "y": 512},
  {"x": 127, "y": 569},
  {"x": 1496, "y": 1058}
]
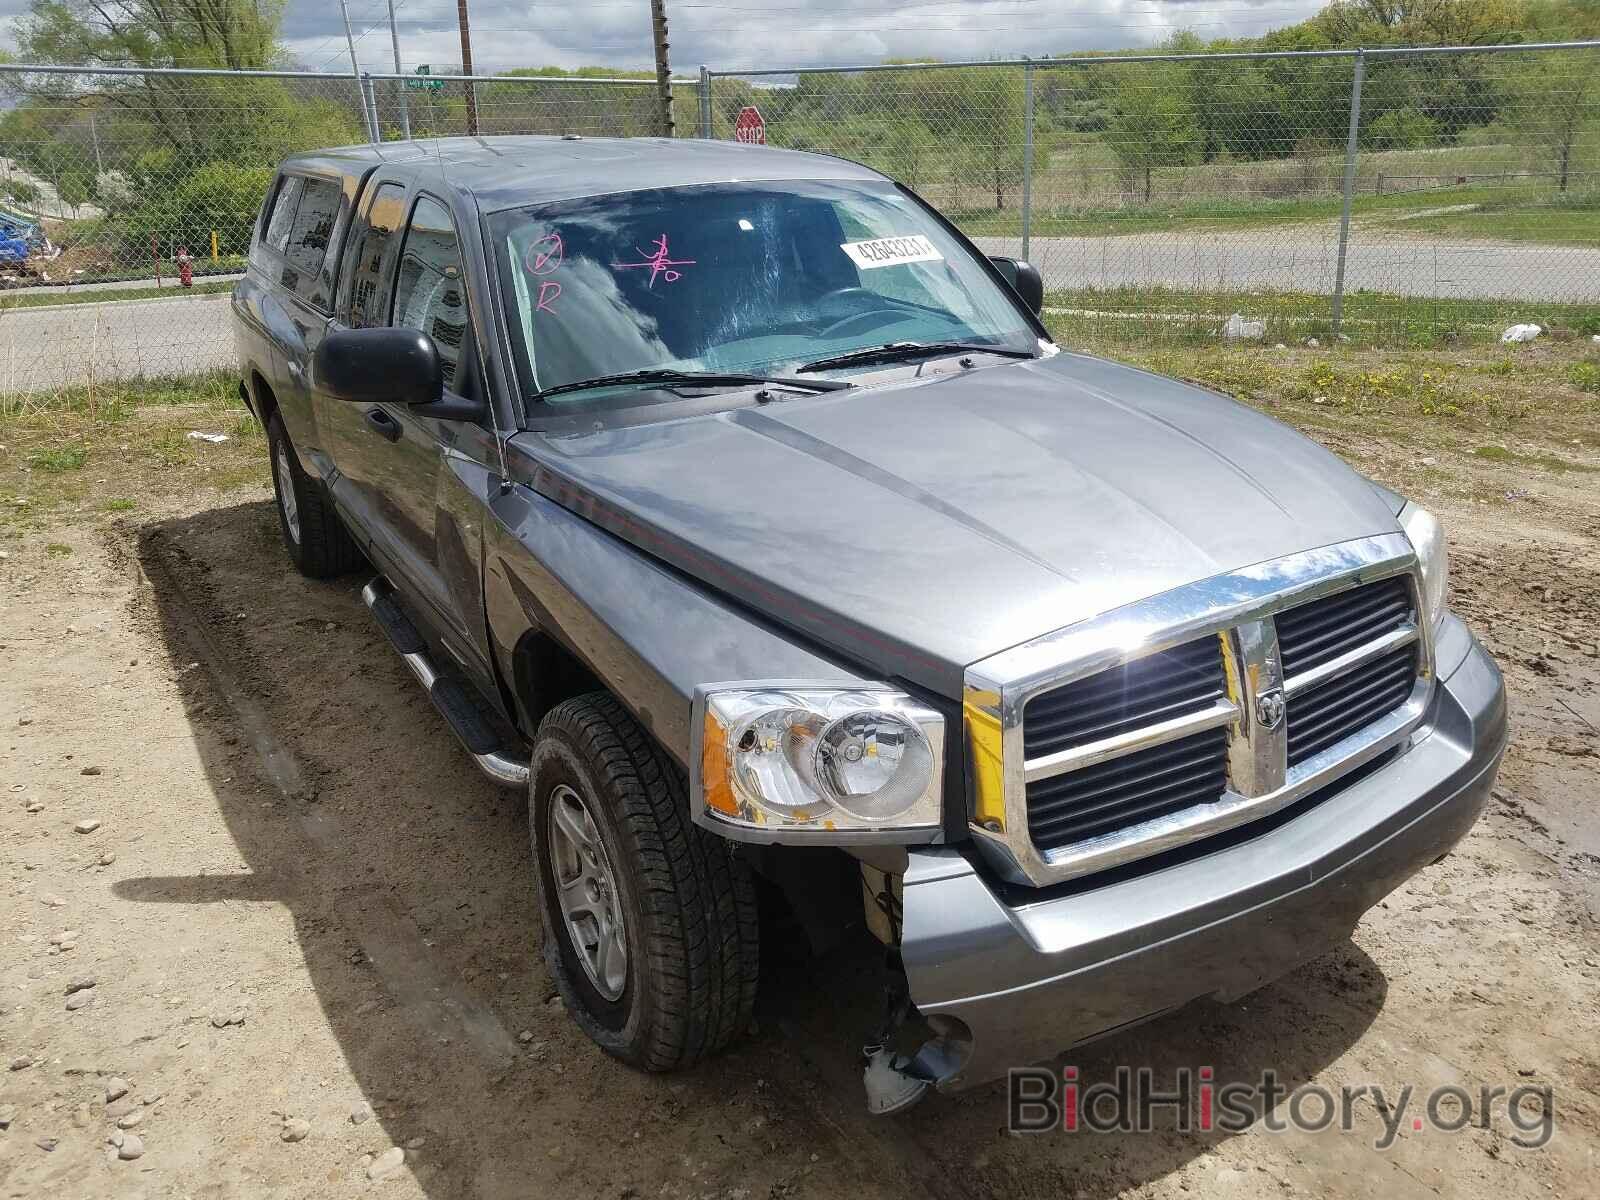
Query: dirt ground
[{"x": 301, "y": 898}]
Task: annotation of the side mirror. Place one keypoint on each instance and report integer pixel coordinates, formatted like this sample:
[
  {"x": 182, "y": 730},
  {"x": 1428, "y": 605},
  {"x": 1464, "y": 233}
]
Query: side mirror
[
  {"x": 1024, "y": 279},
  {"x": 379, "y": 366}
]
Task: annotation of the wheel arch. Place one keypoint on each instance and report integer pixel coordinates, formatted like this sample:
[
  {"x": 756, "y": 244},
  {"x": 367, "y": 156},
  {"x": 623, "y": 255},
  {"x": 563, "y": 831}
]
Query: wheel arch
[{"x": 545, "y": 673}]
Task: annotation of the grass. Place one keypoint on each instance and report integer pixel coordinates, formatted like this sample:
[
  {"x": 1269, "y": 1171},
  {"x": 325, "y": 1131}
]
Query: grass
[
  {"x": 1518, "y": 212},
  {"x": 1552, "y": 219},
  {"x": 56, "y": 459},
  {"x": 62, "y": 449},
  {"x": 1136, "y": 317},
  {"x": 43, "y": 299}
]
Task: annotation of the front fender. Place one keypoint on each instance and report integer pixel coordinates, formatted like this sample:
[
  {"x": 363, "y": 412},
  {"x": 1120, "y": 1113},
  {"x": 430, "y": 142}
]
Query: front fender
[{"x": 650, "y": 635}]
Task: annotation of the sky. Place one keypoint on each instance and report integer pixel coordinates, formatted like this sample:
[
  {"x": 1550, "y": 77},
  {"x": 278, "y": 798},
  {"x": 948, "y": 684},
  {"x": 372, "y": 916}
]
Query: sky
[{"x": 748, "y": 33}]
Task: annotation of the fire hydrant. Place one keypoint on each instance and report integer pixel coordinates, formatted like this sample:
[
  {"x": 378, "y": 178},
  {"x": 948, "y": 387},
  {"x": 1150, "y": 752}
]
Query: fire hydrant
[{"x": 185, "y": 267}]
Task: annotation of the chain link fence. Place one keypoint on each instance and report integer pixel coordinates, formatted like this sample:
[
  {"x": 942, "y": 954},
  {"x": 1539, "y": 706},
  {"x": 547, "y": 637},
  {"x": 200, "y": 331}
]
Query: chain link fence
[
  {"x": 127, "y": 197},
  {"x": 1387, "y": 196}
]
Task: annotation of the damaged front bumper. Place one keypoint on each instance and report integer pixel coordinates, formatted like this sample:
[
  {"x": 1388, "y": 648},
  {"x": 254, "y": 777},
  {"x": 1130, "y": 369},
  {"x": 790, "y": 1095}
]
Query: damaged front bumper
[{"x": 1010, "y": 976}]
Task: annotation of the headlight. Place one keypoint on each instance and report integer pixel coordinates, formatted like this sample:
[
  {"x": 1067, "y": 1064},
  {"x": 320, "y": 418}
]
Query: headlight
[
  {"x": 1427, "y": 539},
  {"x": 810, "y": 763}
]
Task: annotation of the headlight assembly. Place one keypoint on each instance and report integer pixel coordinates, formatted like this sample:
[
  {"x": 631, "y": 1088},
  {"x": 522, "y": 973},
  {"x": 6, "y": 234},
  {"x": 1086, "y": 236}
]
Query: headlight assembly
[
  {"x": 1427, "y": 539},
  {"x": 802, "y": 763}
]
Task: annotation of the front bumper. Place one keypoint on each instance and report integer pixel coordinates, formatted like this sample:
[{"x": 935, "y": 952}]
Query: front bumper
[{"x": 1009, "y": 977}]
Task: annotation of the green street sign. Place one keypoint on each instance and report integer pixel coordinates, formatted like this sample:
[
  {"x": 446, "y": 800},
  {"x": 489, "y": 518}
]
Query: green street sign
[{"x": 425, "y": 84}]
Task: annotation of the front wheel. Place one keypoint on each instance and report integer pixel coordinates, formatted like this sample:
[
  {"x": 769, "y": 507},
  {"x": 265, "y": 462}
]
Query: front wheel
[{"x": 650, "y": 928}]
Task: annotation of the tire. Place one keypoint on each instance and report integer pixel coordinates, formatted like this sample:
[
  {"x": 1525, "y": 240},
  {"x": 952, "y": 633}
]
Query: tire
[
  {"x": 318, "y": 543},
  {"x": 687, "y": 905}
]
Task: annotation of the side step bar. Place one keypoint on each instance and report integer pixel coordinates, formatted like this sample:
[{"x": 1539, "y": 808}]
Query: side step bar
[{"x": 451, "y": 697}]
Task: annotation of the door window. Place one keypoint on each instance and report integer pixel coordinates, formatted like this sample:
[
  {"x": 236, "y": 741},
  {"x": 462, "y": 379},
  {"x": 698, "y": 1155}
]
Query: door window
[
  {"x": 366, "y": 280},
  {"x": 429, "y": 295}
]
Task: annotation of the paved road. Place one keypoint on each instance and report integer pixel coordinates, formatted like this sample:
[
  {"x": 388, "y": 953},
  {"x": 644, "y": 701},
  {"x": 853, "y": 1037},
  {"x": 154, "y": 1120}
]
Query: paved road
[
  {"x": 57, "y": 345},
  {"x": 47, "y": 347},
  {"x": 1302, "y": 258}
]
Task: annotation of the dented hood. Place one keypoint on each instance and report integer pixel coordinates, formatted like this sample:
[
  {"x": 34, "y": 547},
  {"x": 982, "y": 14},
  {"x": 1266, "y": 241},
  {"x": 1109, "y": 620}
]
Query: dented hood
[{"x": 917, "y": 526}]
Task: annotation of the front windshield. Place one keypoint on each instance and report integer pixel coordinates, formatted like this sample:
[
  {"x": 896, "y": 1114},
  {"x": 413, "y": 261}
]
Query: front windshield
[{"x": 748, "y": 278}]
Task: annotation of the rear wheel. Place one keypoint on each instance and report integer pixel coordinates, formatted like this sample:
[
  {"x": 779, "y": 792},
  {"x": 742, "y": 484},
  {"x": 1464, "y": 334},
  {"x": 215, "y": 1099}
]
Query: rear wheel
[
  {"x": 650, "y": 924},
  {"x": 315, "y": 537}
]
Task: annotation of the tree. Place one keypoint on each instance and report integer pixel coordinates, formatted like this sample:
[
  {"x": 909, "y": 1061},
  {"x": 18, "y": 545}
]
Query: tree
[
  {"x": 1152, "y": 124},
  {"x": 233, "y": 34},
  {"x": 1401, "y": 129},
  {"x": 977, "y": 113},
  {"x": 1558, "y": 109}
]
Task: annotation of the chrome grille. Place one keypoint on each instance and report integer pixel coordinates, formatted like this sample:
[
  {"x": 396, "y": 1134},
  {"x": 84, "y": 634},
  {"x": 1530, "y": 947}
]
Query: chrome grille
[{"x": 1195, "y": 711}]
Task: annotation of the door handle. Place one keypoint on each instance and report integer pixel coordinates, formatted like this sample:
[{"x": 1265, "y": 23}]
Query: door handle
[{"x": 382, "y": 424}]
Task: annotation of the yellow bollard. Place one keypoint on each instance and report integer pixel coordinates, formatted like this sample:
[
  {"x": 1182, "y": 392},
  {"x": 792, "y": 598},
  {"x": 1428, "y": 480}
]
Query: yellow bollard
[{"x": 213, "y": 245}]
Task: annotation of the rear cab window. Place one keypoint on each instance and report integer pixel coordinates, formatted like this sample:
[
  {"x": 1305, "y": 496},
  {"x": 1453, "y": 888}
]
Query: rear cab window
[{"x": 301, "y": 228}]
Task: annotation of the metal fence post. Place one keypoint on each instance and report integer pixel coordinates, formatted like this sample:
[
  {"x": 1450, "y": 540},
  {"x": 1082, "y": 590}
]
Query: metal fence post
[
  {"x": 705, "y": 101},
  {"x": 1027, "y": 154},
  {"x": 369, "y": 98},
  {"x": 1350, "y": 150}
]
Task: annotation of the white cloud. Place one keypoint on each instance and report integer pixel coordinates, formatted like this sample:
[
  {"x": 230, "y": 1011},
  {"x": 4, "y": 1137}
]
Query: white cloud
[{"x": 748, "y": 33}]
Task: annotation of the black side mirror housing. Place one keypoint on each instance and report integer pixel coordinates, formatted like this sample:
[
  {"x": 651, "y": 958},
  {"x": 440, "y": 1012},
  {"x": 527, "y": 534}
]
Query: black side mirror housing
[
  {"x": 379, "y": 366},
  {"x": 1024, "y": 279}
]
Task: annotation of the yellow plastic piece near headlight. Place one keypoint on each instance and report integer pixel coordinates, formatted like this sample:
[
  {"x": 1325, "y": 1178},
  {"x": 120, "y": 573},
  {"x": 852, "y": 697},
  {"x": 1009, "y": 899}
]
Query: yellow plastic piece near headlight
[{"x": 988, "y": 759}]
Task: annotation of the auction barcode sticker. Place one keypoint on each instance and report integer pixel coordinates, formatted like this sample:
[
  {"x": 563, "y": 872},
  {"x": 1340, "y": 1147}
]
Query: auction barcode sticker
[{"x": 892, "y": 251}]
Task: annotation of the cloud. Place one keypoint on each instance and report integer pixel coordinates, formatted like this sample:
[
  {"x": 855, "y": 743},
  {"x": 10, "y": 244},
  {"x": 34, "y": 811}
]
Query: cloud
[
  {"x": 750, "y": 33},
  {"x": 727, "y": 34}
]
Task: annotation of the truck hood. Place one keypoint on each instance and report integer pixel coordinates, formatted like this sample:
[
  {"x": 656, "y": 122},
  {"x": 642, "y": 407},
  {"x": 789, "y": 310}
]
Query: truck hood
[{"x": 918, "y": 526}]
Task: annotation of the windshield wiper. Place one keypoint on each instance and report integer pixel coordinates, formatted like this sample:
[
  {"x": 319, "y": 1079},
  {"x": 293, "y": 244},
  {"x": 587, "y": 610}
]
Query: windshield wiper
[
  {"x": 898, "y": 351},
  {"x": 665, "y": 377}
]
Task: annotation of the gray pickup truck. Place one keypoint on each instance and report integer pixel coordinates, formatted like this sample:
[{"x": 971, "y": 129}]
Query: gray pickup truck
[{"x": 731, "y": 503}]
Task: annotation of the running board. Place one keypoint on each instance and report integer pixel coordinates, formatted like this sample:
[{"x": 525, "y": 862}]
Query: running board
[{"x": 451, "y": 697}]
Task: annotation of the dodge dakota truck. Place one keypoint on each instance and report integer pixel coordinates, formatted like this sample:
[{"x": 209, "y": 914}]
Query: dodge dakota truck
[{"x": 732, "y": 504}]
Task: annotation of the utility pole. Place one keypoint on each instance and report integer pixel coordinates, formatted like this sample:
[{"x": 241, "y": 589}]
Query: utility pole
[
  {"x": 658, "y": 30},
  {"x": 466, "y": 68},
  {"x": 399, "y": 84},
  {"x": 355, "y": 71}
]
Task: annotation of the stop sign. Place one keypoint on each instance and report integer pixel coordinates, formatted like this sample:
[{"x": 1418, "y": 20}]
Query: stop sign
[{"x": 749, "y": 127}]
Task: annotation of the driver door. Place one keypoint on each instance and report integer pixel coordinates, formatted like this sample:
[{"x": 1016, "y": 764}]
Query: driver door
[{"x": 390, "y": 456}]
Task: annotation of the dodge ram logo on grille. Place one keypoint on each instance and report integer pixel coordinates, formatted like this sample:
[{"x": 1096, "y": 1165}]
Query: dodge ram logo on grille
[{"x": 1269, "y": 708}]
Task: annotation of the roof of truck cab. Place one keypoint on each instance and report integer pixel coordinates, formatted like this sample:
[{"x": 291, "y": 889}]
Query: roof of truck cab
[{"x": 513, "y": 171}]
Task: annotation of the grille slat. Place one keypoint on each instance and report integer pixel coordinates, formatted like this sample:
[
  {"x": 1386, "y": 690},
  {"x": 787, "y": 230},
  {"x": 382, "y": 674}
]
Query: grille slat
[
  {"x": 1343, "y": 706},
  {"x": 1157, "y": 687},
  {"x": 1167, "y": 778},
  {"x": 1077, "y": 794},
  {"x": 1127, "y": 803},
  {"x": 1319, "y": 632}
]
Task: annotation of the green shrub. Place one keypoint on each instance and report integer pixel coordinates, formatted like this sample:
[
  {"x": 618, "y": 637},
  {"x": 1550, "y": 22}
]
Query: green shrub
[
  {"x": 1585, "y": 376},
  {"x": 217, "y": 196}
]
